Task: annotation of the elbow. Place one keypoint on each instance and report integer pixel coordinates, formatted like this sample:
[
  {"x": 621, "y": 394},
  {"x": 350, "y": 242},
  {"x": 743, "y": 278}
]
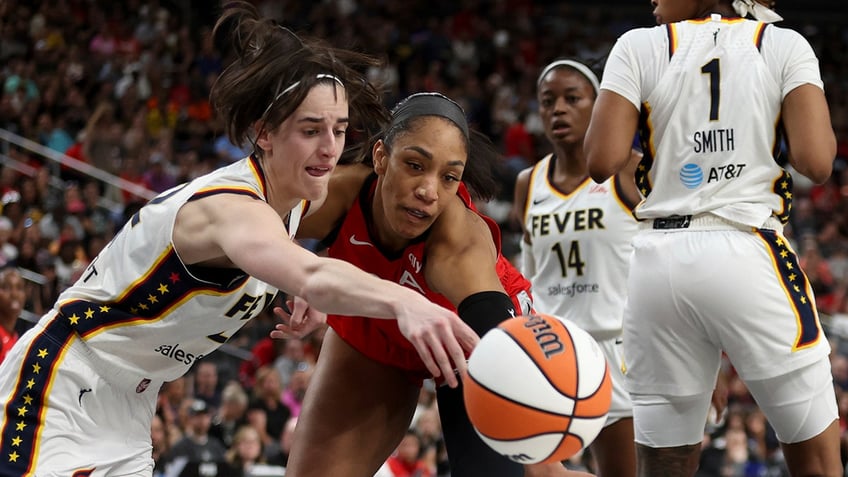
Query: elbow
[
  {"x": 815, "y": 165},
  {"x": 598, "y": 171}
]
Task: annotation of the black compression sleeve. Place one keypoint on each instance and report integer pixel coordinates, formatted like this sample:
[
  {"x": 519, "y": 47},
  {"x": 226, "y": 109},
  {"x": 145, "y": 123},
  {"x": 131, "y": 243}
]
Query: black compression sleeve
[{"x": 485, "y": 310}]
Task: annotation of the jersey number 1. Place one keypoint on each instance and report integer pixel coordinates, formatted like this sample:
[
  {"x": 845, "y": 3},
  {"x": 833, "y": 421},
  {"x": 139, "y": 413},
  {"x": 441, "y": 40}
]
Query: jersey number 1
[{"x": 713, "y": 69}]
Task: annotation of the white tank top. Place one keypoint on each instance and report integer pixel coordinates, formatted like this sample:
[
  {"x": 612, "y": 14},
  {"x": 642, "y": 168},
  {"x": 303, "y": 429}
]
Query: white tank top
[
  {"x": 710, "y": 94},
  {"x": 580, "y": 245},
  {"x": 140, "y": 309}
]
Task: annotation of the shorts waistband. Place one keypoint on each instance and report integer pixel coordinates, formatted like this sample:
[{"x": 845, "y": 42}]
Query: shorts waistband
[{"x": 705, "y": 222}]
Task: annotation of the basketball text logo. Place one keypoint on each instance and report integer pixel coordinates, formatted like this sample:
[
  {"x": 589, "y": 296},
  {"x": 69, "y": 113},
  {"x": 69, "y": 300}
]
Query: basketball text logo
[{"x": 547, "y": 340}]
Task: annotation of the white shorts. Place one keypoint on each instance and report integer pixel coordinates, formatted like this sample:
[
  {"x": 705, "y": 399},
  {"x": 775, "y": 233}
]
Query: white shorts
[
  {"x": 620, "y": 407},
  {"x": 697, "y": 291},
  {"x": 60, "y": 416}
]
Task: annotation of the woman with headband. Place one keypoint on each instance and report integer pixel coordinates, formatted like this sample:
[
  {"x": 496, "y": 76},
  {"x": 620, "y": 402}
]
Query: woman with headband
[
  {"x": 405, "y": 215},
  {"x": 713, "y": 91},
  {"x": 195, "y": 263},
  {"x": 579, "y": 269}
]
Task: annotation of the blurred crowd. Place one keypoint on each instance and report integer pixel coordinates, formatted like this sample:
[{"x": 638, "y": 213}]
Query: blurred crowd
[{"x": 123, "y": 87}]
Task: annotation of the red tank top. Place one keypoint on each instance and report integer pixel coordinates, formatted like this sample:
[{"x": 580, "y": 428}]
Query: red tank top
[{"x": 380, "y": 339}]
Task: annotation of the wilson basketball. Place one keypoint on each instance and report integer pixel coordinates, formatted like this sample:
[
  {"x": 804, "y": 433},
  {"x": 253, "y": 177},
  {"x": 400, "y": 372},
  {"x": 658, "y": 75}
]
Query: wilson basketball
[{"x": 538, "y": 389}]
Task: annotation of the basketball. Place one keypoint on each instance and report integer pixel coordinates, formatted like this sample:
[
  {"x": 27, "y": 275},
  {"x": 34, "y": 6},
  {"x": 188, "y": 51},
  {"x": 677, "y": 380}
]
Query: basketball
[{"x": 538, "y": 389}]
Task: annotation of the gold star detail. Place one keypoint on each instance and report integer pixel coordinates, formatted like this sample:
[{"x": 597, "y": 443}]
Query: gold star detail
[
  {"x": 789, "y": 265},
  {"x": 796, "y": 288},
  {"x": 20, "y": 426},
  {"x": 152, "y": 299},
  {"x": 42, "y": 353},
  {"x": 788, "y": 195},
  {"x": 804, "y": 300},
  {"x": 22, "y": 411},
  {"x": 30, "y": 384},
  {"x": 89, "y": 313},
  {"x": 784, "y": 185},
  {"x": 16, "y": 441},
  {"x": 27, "y": 399},
  {"x": 104, "y": 309},
  {"x": 133, "y": 310},
  {"x": 163, "y": 288},
  {"x": 142, "y": 306},
  {"x": 13, "y": 457},
  {"x": 36, "y": 368},
  {"x": 74, "y": 319},
  {"x": 792, "y": 277}
]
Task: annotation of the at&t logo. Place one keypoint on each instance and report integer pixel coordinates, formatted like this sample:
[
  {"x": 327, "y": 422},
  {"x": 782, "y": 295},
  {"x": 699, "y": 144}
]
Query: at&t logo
[{"x": 691, "y": 175}]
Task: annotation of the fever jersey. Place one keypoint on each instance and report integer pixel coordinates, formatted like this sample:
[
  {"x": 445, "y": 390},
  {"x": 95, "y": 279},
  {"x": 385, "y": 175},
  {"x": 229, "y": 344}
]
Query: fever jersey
[
  {"x": 140, "y": 310},
  {"x": 579, "y": 248},
  {"x": 381, "y": 340},
  {"x": 709, "y": 93}
]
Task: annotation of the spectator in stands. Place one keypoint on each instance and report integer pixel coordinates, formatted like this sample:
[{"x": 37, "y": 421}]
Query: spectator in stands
[
  {"x": 197, "y": 445},
  {"x": 12, "y": 298},
  {"x": 232, "y": 413}
]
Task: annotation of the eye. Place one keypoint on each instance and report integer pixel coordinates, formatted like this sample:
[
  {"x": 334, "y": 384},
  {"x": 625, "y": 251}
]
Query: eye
[
  {"x": 572, "y": 99},
  {"x": 452, "y": 178},
  {"x": 340, "y": 132},
  {"x": 547, "y": 102},
  {"x": 310, "y": 132},
  {"x": 414, "y": 166}
]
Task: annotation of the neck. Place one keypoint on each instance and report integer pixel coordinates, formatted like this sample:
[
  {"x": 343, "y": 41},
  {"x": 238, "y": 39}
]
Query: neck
[
  {"x": 723, "y": 8},
  {"x": 570, "y": 162}
]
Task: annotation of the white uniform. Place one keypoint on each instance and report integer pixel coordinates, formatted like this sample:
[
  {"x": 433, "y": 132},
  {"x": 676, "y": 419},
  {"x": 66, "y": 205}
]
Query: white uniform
[
  {"x": 577, "y": 261},
  {"x": 710, "y": 94},
  {"x": 80, "y": 387}
]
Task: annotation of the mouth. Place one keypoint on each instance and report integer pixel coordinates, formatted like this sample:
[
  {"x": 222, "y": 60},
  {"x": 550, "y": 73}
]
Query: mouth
[
  {"x": 318, "y": 171},
  {"x": 560, "y": 127},
  {"x": 417, "y": 214}
]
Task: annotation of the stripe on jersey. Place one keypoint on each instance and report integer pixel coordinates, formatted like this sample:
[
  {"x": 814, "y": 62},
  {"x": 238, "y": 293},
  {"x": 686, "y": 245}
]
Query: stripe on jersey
[
  {"x": 209, "y": 191},
  {"x": 671, "y": 31},
  {"x": 25, "y": 411},
  {"x": 783, "y": 188},
  {"x": 163, "y": 288},
  {"x": 797, "y": 288},
  {"x": 758, "y": 35},
  {"x": 259, "y": 174},
  {"x": 646, "y": 138}
]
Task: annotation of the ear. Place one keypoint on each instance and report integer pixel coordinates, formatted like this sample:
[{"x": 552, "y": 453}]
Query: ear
[
  {"x": 380, "y": 157},
  {"x": 263, "y": 137}
]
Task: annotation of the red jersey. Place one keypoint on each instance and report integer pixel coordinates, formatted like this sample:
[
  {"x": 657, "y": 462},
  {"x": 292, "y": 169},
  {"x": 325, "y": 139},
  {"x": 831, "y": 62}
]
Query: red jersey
[
  {"x": 381, "y": 340},
  {"x": 7, "y": 340}
]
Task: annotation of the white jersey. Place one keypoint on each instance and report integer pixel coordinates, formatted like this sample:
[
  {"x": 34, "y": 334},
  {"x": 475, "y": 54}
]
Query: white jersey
[
  {"x": 710, "y": 94},
  {"x": 140, "y": 309},
  {"x": 580, "y": 248}
]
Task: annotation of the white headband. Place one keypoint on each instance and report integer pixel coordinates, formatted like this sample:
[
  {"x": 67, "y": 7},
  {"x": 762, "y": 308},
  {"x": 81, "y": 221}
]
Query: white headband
[
  {"x": 294, "y": 85},
  {"x": 757, "y": 10},
  {"x": 583, "y": 69}
]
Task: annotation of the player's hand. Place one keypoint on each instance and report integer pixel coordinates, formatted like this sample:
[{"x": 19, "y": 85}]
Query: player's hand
[
  {"x": 299, "y": 322},
  {"x": 440, "y": 337}
]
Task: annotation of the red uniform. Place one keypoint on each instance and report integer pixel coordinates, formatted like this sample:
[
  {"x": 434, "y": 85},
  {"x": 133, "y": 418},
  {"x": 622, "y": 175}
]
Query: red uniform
[
  {"x": 379, "y": 339},
  {"x": 7, "y": 340}
]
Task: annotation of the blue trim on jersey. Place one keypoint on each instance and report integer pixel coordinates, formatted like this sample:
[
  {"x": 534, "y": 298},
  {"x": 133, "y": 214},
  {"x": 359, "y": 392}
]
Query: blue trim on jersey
[
  {"x": 758, "y": 38},
  {"x": 647, "y": 161},
  {"x": 163, "y": 288},
  {"x": 25, "y": 410},
  {"x": 797, "y": 287}
]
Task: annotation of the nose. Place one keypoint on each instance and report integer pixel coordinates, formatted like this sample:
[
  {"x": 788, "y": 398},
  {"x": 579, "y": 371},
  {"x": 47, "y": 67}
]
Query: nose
[
  {"x": 330, "y": 145},
  {"x": 426, "y": 192}
]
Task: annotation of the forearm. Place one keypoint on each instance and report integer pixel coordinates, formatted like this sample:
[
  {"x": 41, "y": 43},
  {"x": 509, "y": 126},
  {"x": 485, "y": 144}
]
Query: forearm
[{"x": 337, "y": 287}]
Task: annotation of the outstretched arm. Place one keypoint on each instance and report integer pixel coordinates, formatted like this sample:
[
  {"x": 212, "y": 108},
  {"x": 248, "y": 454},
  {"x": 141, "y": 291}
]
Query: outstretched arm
[{"x": 251, "y": 235}]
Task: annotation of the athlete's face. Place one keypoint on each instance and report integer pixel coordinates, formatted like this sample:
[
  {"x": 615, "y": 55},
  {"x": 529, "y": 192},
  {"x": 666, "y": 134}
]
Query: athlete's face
[
  {"x": 419, "y": 176},
  {"x": 12, "y": 294},
  {"x": 670, "y": 11},
  {"x": 302, "y": 152},
  {"x": 566, "y": 99}
]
